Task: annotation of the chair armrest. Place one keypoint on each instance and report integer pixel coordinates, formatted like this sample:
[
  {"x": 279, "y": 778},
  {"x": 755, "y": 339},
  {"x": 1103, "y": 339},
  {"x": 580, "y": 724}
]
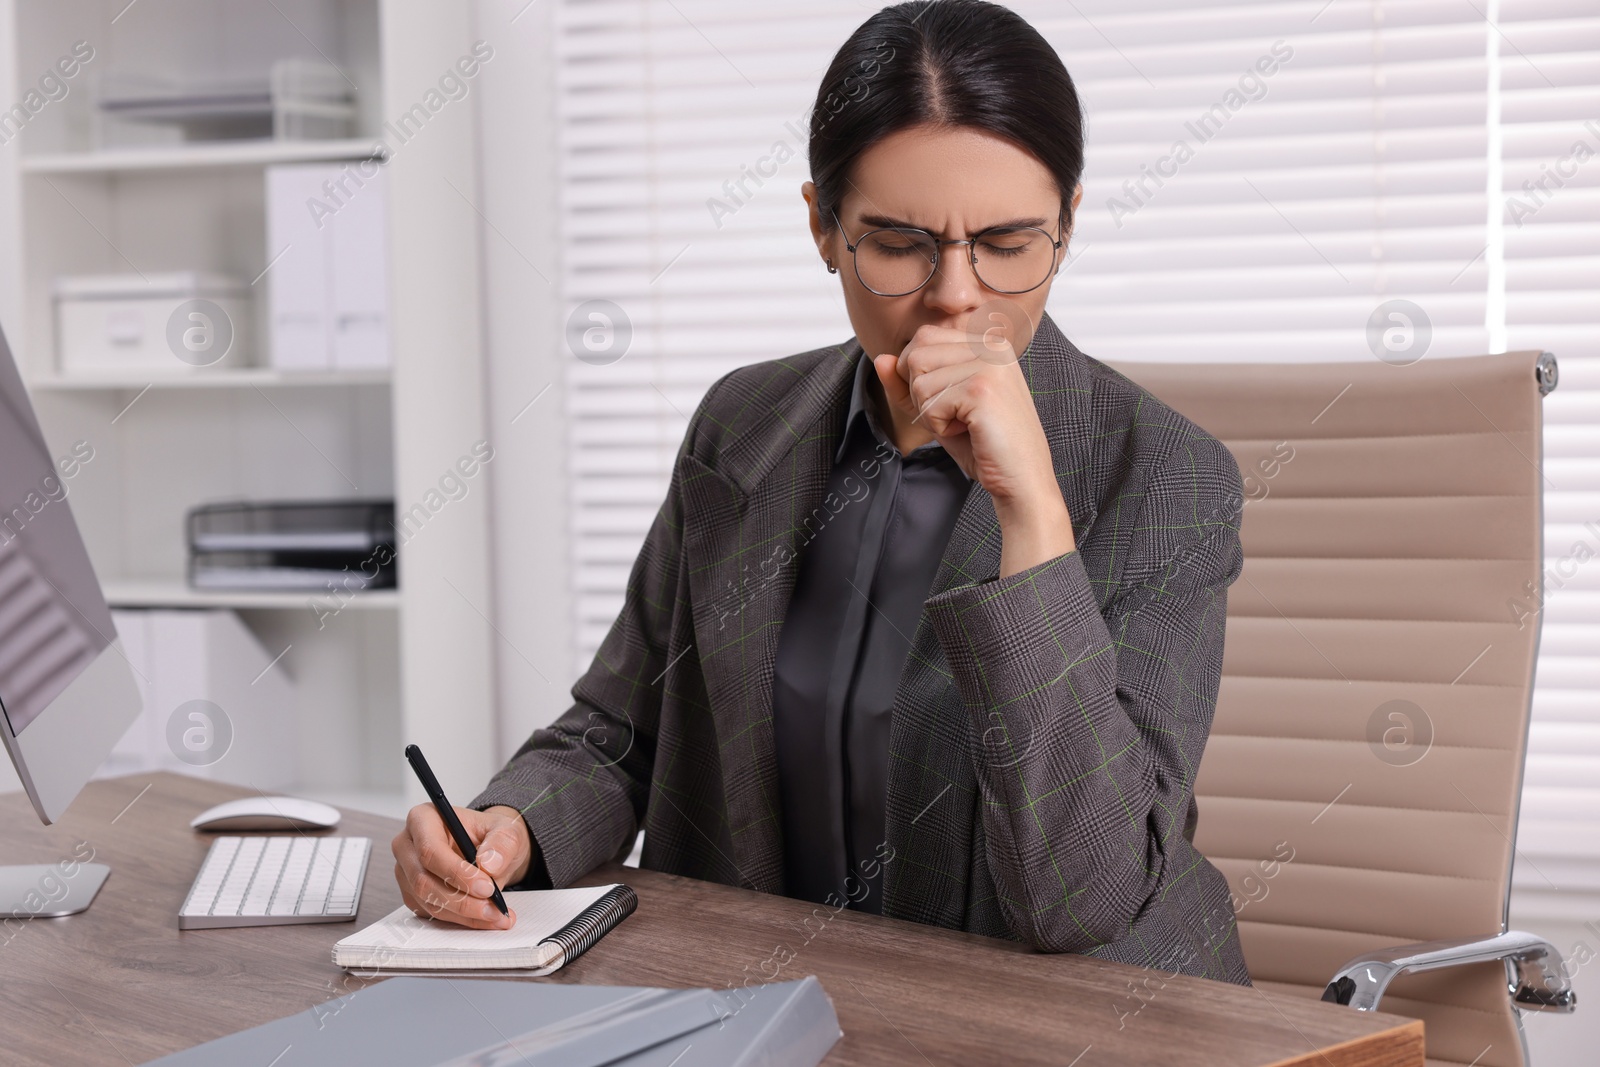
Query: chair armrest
[{"x": 1536, "y": 976}]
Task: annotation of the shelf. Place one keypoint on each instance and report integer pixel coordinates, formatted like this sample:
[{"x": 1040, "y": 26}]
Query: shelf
[
  {"x": 156, "y": 593},
  {"x": 214, "y": 154},
  {"x": 259, "y": 377}
]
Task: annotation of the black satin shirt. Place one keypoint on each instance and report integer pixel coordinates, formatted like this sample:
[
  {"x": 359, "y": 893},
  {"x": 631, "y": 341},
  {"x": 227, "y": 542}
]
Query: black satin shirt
[{"x": 874, "y": 547}]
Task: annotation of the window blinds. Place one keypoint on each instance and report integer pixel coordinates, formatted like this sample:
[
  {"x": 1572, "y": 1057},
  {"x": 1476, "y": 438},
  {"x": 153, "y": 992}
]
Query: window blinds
[
  {"x": 1264, "y": 180},
  {"x": 1546, "y": 294}
]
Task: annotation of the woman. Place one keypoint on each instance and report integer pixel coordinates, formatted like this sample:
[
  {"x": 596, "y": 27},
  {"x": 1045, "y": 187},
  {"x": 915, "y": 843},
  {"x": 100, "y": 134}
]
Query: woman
[{"x": 922, "y": 628}]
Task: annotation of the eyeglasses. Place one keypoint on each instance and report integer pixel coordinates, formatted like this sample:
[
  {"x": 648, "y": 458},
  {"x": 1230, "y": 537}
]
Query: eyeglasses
[{"x": 897, "y": 261}]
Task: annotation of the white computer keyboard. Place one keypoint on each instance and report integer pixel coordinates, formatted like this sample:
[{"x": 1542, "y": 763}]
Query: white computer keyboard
[{"x": 271, "y": 879}]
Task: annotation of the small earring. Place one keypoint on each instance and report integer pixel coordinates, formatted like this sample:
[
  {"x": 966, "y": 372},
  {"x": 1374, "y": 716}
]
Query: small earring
[{"x": 831, "y": 268}]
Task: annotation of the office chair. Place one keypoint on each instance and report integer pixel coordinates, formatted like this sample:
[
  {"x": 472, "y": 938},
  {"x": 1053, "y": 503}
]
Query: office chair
[{"x": 1361, "y": 783}]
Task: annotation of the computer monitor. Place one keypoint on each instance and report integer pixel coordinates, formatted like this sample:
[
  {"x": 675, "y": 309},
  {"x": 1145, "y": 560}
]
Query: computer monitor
[{"x": 67, "y": 691}]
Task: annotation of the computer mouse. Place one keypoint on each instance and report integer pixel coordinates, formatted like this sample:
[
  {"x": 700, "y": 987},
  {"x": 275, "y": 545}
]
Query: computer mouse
[{"x": 268, "y": 813}]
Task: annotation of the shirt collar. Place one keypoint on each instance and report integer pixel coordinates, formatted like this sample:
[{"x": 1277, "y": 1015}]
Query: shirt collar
[
  {"x": 858, "y": 407},
  {"x": 861, "y": 408}
]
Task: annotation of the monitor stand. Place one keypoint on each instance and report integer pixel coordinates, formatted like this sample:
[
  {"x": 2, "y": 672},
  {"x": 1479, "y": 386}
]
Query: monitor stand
[{"x": 41, "y": 891}]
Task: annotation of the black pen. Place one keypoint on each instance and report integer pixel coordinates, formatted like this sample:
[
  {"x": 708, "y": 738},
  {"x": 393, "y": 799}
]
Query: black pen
[{"x": 430, "y": 785}]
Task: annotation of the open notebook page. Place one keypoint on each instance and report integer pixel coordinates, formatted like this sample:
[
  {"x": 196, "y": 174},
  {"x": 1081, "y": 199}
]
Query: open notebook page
[{"x": 402, "y": 939}]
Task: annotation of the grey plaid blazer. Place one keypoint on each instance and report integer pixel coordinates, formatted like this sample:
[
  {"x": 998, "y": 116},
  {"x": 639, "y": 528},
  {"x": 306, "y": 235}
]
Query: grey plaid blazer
[{"x": 1047, "y": 727}]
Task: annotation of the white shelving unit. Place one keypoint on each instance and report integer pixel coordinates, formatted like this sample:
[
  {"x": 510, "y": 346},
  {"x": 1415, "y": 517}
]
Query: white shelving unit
[{"x": 413, "y": 664}]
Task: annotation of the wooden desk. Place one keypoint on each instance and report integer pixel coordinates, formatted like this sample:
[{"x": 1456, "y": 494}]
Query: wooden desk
[{"x": 120, "y": 984}]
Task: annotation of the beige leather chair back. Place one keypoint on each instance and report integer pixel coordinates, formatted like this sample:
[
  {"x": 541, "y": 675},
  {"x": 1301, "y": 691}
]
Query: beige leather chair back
[{"x": 1361, "y": 783}]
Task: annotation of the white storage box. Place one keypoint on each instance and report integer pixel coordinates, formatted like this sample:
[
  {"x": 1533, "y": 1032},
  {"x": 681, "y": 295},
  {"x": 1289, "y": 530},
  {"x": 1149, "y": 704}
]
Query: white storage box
[
  {"x": 328, "y": 292},
  {"x": 156, "y": 324}
]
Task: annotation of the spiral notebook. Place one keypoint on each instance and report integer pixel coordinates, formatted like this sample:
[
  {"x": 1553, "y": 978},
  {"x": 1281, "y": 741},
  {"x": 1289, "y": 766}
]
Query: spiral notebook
[{"x": 554, "y": 927}]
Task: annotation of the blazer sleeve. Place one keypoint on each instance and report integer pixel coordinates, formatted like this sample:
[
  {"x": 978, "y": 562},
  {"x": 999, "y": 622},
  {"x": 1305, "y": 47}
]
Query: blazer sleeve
[
  {"x": 1091, "y": 725},
  {"x": 582, "y": 783}
]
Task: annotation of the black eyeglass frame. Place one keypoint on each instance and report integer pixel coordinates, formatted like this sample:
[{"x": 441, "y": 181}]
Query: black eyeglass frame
[{"x": 1055, "y": 251}]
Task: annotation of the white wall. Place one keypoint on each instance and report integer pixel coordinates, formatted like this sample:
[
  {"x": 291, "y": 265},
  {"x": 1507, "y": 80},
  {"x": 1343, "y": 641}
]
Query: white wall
[
  {"x": 523, "y": 334},
  {"x": 446, "y": 634}
]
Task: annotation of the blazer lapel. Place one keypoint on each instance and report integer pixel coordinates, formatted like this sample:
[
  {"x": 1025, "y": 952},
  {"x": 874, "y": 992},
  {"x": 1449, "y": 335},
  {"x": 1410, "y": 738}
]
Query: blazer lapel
[
  {"x": 1058, "y": 375},
  {"x": 744, "y": 520},
  {"x": 932, "y": 804}
]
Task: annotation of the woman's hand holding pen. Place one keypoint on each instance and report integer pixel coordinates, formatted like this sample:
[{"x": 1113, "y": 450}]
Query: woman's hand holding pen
[
  {"x": 967, "y": 388},
  {"x": 436, "y": 882}
]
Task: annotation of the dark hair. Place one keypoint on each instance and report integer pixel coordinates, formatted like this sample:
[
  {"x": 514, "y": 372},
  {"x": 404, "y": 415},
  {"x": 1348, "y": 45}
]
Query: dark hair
[{"x": 948, "y": 63}]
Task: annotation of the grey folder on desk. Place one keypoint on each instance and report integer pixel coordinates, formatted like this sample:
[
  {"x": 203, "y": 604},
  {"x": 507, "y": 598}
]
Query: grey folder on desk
[{"x": 460, "y": 1022}]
